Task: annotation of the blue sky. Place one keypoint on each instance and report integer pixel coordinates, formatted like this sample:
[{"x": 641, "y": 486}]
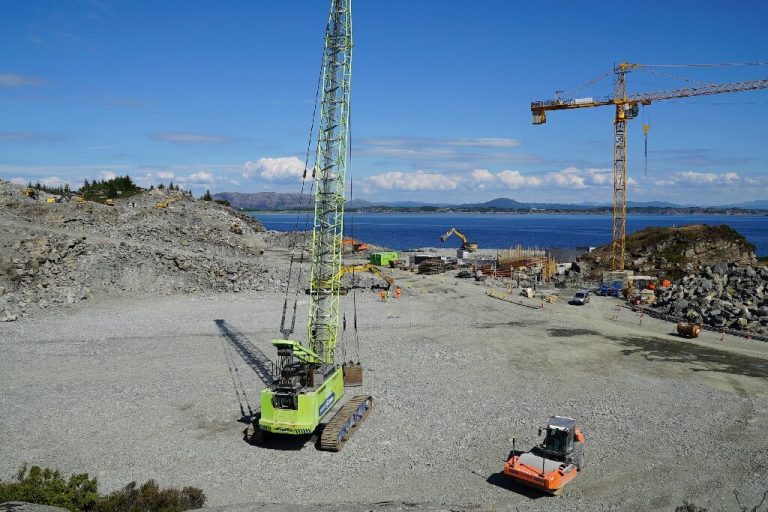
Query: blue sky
[{"x": 219, "y": 96}]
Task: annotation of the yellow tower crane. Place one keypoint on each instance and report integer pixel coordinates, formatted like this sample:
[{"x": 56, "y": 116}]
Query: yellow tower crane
[{"x": 627, "y": 107}]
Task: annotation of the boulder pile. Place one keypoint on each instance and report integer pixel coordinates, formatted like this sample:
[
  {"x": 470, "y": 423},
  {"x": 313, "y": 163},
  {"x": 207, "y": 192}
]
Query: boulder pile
[{"x": 725, "y": 296}]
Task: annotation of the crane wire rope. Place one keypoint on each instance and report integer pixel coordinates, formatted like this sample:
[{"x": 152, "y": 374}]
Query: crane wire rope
[
  {"x": 352, "y": 227},
  {"x": 286, "y": 332},
  {"x": 646, "y": 128},
  {"x": 583, "y": 86},
  {"x": 719, "y": 65},
  {"x": 675, "y": 77}
]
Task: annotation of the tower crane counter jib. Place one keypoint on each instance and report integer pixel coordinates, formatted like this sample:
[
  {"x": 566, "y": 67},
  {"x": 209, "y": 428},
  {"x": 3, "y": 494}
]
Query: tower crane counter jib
[
  {"x": 308, "y": 382},
  {"x": 627, "y": 107}
]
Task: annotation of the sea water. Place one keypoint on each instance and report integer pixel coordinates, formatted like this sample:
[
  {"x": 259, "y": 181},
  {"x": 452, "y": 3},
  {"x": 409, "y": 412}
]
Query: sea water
[{"x": 402, "y": 231}]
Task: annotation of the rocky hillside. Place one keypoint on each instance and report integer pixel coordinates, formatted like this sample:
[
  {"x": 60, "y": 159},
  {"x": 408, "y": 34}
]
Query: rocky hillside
[
  {"x": 55, "y": 254},
  {"x": 671, "y": 251}
]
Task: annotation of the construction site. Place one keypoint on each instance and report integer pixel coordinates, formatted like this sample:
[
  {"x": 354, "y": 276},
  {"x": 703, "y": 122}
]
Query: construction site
[{"x": 161, "y": 336}]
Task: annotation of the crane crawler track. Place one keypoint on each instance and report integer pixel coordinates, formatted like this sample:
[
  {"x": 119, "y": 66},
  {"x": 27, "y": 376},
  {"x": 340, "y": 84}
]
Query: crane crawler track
[{"x": 344, "y": 422}]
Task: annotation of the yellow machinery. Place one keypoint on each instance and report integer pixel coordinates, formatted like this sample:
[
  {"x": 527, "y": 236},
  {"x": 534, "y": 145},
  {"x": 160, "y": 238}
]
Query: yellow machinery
[
  {"x": 627, "y": 107},
  {"x": 465, "y": 245},
  {"x": 367, "y": 267},
  {"x": 50, "y": 200},
  {"x": 29, "y": 192},
  {"x": 170, "y": 200},
  {"x": 109, "y": 202}
]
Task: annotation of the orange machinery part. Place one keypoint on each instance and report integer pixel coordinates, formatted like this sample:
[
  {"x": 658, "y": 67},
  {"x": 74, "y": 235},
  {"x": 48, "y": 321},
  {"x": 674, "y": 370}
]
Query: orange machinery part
[
  {"x": 356, "y": 245},
  {"x": 551, "y": 482}
]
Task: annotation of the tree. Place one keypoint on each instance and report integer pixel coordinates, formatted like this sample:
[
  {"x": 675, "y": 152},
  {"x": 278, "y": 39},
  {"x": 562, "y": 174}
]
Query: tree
[
  {"x": 207, "y": 196},
  {"x": 161, "y": 186}
]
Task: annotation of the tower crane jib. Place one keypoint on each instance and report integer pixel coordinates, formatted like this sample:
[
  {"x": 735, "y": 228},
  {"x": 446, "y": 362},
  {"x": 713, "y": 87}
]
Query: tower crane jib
[{"x": 626, "y": 108}]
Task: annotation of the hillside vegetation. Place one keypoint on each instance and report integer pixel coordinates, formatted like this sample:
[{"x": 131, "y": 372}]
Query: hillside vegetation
[{"x": 670, "y": 251}]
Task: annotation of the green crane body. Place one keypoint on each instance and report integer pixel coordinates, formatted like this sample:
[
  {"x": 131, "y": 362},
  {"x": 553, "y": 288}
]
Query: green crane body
[{"x": 309, "y": 382}]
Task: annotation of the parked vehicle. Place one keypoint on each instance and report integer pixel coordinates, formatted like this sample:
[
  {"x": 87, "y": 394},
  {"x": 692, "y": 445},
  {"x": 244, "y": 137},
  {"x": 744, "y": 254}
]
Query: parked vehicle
[{"x": 580, "y": 298}]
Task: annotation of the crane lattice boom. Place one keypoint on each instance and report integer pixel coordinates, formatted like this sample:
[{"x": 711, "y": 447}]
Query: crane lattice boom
[{"x": 330, "y": 172}]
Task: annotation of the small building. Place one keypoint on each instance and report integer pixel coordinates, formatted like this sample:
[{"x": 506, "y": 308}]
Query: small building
[
  {"x": 618, "y": 276},
  {"x": 382, "y": 259}
]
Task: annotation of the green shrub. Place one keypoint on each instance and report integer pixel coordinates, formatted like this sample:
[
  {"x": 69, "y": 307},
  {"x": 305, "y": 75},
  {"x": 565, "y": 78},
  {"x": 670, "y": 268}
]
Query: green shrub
[
  {"x": 48, "y": 487},
  {"x": 80, "y": 493},
  {"x": 150, "y": 497}
]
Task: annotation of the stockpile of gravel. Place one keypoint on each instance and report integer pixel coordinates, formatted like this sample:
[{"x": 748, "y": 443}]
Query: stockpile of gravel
[
  {"x": 729, "y": 296},
  {"x": 59, "y": 254}
]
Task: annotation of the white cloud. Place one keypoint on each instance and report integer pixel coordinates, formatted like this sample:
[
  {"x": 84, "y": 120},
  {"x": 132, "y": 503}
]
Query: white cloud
[
  {"x": 201, "y": 177},
  {"x": 396, "y": 180},
  {"x": 165, "y": 175},
  {"x": 190, "y": 138},
  {"x": 19, "y": 181},
  {"x": 515, "y": 180},
  {"x": 570, "y": 177},
  {"x": 14, "y": 80},
  {"x": 600, "y": 176},
  {"x": 107, "y": 175},
  {"x": 701, "y": 179},
  {"x": 481, "y": 175},
  {"x": 275, "y": 169}
]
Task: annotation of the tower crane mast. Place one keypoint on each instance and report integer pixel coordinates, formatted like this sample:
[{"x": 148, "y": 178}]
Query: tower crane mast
[{"x": 627, "y": 107}]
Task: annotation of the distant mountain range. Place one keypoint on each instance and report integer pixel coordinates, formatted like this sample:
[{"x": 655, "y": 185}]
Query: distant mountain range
[
  {"x": 291, "y": 201},
  {"x": 276, "y": 200}
]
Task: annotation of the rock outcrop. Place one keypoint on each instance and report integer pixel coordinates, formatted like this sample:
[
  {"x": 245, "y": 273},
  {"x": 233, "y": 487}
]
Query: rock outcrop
[{"x": 670, "y": 252}]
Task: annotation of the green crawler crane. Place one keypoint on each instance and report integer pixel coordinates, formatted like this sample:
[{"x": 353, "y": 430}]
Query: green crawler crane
[{"x": 309, "y": 383}]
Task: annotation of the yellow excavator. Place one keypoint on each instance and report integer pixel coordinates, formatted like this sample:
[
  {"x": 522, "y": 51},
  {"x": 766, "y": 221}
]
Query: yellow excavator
[
  {"x": 29, "y": 192},
  {"x": 170, "y": 200},
  {"x": 465, "y": 245},
  {"x": 367, "y": 267}
]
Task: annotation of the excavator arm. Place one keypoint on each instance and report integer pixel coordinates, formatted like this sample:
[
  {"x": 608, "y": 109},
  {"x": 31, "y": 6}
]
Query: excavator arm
[
  {"x": 465, "y": 244},
  {"x": 454, "y": 231},
  {"x": 373, "y": 269}
]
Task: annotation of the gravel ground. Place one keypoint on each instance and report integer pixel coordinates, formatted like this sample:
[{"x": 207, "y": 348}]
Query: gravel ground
[{"x": 132, "y": 389}]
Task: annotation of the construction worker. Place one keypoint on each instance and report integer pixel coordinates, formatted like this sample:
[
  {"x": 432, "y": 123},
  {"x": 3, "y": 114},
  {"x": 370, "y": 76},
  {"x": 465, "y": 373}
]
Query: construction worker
[
  {"x": 397, "y": 292},
  {"x": 383, "y": 295}
]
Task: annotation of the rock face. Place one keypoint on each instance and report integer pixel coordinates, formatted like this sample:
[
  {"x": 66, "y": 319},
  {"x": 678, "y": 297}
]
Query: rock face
[
  {"x": 63, "y": 253},
  {"x": 729, "y": 296},
  {"x": 670, "y": 252}
]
